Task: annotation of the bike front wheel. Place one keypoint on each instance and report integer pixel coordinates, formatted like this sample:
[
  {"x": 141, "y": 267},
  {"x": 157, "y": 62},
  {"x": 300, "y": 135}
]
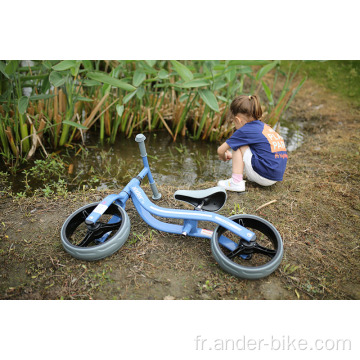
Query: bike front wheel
[
  {"x": 97, "y": 241},
  {"x": 248, "y": 260}
]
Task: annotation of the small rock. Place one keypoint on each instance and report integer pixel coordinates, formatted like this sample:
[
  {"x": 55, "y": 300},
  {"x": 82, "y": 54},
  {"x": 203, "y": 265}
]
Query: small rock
[{"x": 169, "y": 297}]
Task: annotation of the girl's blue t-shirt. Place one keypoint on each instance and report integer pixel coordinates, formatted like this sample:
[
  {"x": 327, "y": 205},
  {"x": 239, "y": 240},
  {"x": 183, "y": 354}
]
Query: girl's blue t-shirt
[{"x": 269, "y": 153}]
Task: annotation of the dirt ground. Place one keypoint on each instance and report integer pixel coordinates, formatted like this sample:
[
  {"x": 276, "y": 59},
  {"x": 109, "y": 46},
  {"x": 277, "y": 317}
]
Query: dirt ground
[{"x": 317, "y": 212}]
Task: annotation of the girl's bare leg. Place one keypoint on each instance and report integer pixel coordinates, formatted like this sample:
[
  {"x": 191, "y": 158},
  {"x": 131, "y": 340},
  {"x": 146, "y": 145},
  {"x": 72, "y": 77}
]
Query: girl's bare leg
[
  {"x": 236, "y": 182},
  {"x": 237, "y": 160}
]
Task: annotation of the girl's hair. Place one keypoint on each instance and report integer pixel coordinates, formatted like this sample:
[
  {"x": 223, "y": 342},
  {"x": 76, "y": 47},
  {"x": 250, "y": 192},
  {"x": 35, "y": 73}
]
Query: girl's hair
[{"x": 247, "y": 105}]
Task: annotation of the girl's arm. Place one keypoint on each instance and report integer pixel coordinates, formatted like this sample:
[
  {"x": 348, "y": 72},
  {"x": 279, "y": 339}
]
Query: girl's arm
[{"x": 223, "y": 152}]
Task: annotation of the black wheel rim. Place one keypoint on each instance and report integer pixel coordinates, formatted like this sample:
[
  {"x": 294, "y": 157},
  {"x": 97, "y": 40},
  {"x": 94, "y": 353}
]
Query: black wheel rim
[{"x": 82, "y": 235}]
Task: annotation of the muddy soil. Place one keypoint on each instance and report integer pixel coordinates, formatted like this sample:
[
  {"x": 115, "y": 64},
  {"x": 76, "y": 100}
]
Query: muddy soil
[{"x": 317, "y": 212}]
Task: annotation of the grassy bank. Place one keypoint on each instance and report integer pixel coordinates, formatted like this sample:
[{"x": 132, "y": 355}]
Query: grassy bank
[{"x": 341, "y": 77}]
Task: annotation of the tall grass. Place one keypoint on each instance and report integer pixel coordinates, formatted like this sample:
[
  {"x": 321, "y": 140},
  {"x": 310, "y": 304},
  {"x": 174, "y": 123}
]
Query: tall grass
[{"x": 188, "y": 98}]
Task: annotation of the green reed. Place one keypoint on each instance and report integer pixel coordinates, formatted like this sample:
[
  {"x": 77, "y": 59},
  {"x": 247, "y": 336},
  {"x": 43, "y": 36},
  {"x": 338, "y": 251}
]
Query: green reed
[{"x": 187, "y": 98}]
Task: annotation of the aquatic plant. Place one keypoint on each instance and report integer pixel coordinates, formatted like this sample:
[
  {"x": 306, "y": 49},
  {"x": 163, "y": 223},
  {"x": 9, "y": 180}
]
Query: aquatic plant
[{"x": 47, "y": 104}]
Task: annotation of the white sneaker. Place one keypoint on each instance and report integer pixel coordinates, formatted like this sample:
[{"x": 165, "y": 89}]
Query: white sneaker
[{"x": 230, "y": 185}]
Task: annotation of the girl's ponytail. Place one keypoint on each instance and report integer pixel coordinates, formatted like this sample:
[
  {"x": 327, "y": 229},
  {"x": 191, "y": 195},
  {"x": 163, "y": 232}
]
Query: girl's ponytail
[
  {"x": 248, "y": 105},
  {"x": 256, "y": 111}
]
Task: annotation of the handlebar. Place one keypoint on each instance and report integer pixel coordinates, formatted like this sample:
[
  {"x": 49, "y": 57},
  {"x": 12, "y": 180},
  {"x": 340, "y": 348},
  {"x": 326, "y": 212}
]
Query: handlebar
[{"x": 140, "y": 139}]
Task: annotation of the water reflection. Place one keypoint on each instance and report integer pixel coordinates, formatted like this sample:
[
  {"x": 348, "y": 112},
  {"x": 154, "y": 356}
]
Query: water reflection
[
  {"x": 293, "y": 135},
  {"x": 182, "y": 163}
]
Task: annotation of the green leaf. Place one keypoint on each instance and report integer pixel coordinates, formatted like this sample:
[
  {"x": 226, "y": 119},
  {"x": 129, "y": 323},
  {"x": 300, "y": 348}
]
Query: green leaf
[
  {"x": 219, "y": 67},
  {"x": 222, "y": 98},
  {"x": 209, "y": 99},
  {"x": 23, "y": 104},
  {"x": 230, "y": 75},
  {"x": 247, "y": 62},
  {"x": 264, "y": 70},
  {"x": 119, "y": 109},
  {"x": 140, "y": 93},
  {"x": 182, "y": 70},
  {"x": 11, "y": 67},
  {"x": 75, "y": 69},
  {"x": 106, "y": 79},
  {"x": 194, "y": 83},
  {"x": 138, "y": 78},
  {"x": 2, "y": 69},
  {"x": 106, "y": 89},
  {"x": 162, "y": 85},
  {"x": 163, "y": 74},
  {"x": 244, "y": 70},
  {"x": 268, "y": 93},
  {"x": 87, "y": 64},
  {"x": 47, "y": 64},
  {"x": 295, "y": 92},
  {"x": 219, "y": 84},
  {"x": 151, "y": 63},
  {"x": 41, "y": 97},
  {"x": 142, "y": 65},
  {"x": 129, "y": 96},
  {"x": 56, "y": 79},
  {"x": 72, "y": 123},
  {"x": 45, "y": 86},
  {"x": 65, "y": 65},
  {"x": 82, "y": 98},
  {"x": 183, "y": 97},
  {"x": 88, "y": 82}
]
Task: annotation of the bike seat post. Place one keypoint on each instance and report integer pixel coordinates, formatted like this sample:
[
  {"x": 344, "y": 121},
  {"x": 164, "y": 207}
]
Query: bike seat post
[{"x": 140, "y": 139}]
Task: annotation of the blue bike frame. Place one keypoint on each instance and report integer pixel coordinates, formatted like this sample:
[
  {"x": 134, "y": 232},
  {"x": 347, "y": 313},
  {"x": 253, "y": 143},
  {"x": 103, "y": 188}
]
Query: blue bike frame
[{"x": 147, "y": 209}]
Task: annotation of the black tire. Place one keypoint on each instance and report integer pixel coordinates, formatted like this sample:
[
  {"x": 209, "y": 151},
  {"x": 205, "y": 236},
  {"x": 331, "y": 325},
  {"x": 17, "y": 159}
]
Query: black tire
[
  {"x": 264, "y": 256},
  {"x": 86, "y": 246}
]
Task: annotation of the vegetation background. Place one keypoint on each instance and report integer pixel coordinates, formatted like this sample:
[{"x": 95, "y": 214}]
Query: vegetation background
[{"x": 50, "y": 104}]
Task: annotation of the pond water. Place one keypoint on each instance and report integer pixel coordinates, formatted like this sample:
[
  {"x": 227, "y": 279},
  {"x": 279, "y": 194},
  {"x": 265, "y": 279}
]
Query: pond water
[
  {"x": 183, "y": 163},
  {"x": 292, "y": 133}
]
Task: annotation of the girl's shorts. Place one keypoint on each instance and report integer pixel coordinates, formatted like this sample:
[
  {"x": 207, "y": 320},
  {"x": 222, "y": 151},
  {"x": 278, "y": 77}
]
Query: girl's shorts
[{"x": 250, "y": 172}]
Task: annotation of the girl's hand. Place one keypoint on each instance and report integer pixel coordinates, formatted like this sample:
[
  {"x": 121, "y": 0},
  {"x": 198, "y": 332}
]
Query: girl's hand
[
  {"x": 223, "y": 152},
  {"x": 228, "y": 155}
]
